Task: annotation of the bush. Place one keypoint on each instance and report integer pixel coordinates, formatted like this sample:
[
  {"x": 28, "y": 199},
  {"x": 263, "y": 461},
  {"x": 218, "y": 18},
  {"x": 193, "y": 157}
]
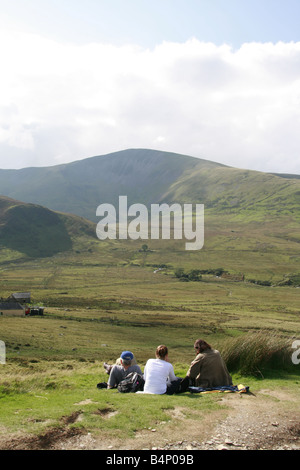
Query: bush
[
  {"x": 259, "y": 282},
  {"x": 193, "y": 275}
]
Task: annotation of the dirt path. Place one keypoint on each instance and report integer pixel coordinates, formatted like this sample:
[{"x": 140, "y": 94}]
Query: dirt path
[{"x": 268, "y": 420}]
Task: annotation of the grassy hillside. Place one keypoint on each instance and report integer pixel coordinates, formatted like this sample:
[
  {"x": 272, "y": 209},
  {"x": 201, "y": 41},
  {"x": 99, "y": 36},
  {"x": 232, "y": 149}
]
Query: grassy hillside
[
  {"x": 35, "y": 231},
  {"x": 239, "y": 192},
  {"x": 79, "y": 187},
  {"x": 149, "y": 176},
  {"x": 251, "y": 218}
]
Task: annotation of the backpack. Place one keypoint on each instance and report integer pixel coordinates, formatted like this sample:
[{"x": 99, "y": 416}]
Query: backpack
[{"x": 132, "y": 383}]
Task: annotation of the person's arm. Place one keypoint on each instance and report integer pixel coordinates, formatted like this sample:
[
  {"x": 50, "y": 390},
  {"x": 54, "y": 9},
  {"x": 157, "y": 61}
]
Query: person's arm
[
  {"x": 195, "y": 367},
  {"x": 172, "y": 375},
  {"x": 145, "y": 372},
  {"x": 112, "y": 379}
]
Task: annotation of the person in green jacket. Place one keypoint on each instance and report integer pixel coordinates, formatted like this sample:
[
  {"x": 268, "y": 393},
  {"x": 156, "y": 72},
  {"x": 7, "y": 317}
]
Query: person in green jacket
[{"x": 208, "y": 369}]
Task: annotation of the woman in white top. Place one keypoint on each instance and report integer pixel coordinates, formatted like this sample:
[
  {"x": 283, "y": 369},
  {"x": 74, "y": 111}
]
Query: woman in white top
[{"x": 159, "y": 373}]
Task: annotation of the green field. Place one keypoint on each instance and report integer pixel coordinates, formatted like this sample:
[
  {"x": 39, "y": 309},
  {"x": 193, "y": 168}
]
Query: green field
[{"x": 103, "y": 297}]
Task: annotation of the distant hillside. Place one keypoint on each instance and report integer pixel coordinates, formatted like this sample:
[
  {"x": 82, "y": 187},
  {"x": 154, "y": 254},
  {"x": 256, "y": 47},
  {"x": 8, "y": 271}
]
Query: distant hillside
[
  {"x": 150, "y": 176},
  {"x": 36, "y": 231},
  {"x": 79, "y": 187},
  {"x": 286, "y": 175},
  {"x": 238, "y": 192}
]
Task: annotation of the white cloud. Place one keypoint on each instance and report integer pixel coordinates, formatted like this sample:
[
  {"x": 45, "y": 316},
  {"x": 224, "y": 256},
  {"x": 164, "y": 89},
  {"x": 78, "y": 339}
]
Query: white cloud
[{"x": 63, "y": 102}]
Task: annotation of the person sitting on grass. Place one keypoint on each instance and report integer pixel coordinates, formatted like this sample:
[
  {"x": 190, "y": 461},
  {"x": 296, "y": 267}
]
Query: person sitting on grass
[
  {"x": 159, "y": 374},
  {"x": 108, "y": 367},
  {"x": 208, "y": 369},
  {"x": 118, "y": 372}
]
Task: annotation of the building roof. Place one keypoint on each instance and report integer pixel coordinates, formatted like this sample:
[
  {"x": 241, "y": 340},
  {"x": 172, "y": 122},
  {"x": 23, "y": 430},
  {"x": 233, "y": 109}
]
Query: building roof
[{"x": 21, "y": 295}]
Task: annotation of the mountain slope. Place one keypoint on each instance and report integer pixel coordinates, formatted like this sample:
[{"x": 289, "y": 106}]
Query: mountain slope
[
  {"x": 235, "y": 191},
  {"x": 79, "y": 187},
  {"x": 150, "y": 176},
  {"x": 36, "y": 231}
]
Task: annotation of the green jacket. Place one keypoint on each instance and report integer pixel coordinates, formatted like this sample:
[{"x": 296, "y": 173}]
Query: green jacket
[{"x": 208, "y": 369}]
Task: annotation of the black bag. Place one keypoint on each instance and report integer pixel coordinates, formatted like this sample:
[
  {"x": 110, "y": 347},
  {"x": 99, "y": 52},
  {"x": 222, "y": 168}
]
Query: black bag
[
  {"x": 132, "y": 383},
  {"x": 102, "y": 385}
]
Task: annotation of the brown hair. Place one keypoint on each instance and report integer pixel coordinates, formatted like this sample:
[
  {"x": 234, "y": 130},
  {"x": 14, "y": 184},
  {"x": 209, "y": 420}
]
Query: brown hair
[
  {"x": 201, "y": 345},
  {"x": 161, "y": 351}
]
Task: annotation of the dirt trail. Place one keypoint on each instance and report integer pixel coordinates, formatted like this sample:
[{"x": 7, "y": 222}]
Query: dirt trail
[{"x": 267, "y": 420}]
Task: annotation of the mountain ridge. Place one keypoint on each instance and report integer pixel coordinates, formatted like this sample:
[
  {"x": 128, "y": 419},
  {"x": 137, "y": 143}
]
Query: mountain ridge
[
  {"x": 79, "y": 187},
  {"x": 146, "y": 176},
  {"x": 44, "y": 211}
]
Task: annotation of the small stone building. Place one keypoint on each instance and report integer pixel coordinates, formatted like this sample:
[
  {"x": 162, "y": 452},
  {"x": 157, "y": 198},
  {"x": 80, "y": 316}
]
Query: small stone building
[
  {"x": 13, "y": 309},
  {"x": 20, "y": 297}
]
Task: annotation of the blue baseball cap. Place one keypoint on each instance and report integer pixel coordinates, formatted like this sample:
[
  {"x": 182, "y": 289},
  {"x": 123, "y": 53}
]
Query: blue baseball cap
[{"x": 127, "y": 355}]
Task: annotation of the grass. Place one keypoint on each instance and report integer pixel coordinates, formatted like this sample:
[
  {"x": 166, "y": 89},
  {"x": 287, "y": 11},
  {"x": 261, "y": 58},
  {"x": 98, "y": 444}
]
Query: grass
[
  {"x": 36, "y": 396},
  {"x": 39, "y": 395},
  {"x": 55, "y": 362}
]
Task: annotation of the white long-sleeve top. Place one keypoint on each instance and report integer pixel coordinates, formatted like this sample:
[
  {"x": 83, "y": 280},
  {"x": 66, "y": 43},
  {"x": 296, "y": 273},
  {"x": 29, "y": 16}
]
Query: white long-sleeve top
[{"x": 157, "y": 373}]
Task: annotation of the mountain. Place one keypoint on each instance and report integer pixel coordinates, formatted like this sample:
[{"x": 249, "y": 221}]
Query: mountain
[
  {"x": 151, "y": 176},
  {"x": 79, "y": 187},
  {"x": 36, "y": 231},
  {"x": 250, "y": 216}
]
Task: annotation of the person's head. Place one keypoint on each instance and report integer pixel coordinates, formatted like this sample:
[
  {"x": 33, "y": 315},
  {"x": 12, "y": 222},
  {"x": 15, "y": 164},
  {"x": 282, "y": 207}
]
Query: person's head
[
  {"x": 200, "y": 345},
  {"x": 161, "y": 351},
  {"x": 126, "y": 358}
]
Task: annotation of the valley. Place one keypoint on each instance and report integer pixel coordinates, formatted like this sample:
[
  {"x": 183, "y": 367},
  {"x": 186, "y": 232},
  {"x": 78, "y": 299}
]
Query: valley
[{"x": 105, "y": 296}]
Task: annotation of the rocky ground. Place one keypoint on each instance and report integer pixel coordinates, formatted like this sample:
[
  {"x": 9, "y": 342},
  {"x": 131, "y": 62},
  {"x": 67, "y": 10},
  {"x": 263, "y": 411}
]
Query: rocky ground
[{"x": 252, "y": 424}]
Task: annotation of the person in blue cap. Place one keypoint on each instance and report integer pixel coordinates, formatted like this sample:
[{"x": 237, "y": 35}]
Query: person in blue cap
[
  {"x": 108, "y": 367},
  {"x": 119, "y": 372}
]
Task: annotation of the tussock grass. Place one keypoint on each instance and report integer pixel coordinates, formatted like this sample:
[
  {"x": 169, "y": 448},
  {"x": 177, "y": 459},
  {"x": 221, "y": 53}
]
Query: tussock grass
[{"x": 256, "y": 351}]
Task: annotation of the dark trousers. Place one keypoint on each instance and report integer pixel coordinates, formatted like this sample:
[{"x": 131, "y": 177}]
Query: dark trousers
[{"x": 177, "y": 386}]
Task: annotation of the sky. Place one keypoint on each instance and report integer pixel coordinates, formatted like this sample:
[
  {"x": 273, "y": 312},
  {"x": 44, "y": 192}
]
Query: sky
[{"x": 214, "y": 79}]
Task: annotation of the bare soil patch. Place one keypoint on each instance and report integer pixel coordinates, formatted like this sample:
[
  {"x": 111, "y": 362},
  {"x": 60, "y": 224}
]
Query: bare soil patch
[{"x": 51, "y": 439}]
